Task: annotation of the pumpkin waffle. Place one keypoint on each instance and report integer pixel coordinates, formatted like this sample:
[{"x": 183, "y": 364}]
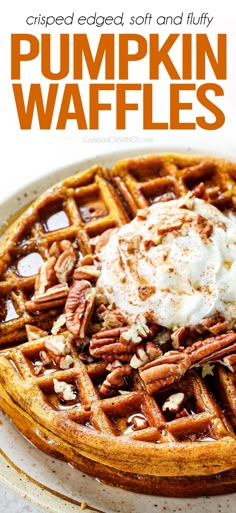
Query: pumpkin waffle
[
  {"x": 78, "y": 209},
  {"x": 81, "y": 381}
]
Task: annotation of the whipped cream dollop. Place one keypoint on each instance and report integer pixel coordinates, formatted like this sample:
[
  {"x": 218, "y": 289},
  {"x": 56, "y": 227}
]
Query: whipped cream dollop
[{"x": 175, "y": 263}]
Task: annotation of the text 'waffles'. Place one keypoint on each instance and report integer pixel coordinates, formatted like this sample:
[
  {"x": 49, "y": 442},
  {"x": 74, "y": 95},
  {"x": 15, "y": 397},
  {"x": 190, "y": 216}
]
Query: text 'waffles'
[{"x": 100, "y": 79}]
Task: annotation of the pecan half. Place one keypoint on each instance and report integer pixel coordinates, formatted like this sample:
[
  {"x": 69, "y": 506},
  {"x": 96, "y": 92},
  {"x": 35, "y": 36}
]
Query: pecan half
[
  {"x": 215, "y": 325},
  {"x": 107, "y": 345},
  {"x": 164, "y": 370},
  {"x": 172, "y": 365},
  {"x": 212, "y": 349},
  {"x": 115, "y": 379},
  {"x": 79, "y": 307}
]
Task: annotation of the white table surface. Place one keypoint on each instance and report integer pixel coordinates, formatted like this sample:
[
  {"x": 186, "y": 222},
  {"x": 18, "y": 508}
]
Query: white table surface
[{"x": 12, "y": 503}]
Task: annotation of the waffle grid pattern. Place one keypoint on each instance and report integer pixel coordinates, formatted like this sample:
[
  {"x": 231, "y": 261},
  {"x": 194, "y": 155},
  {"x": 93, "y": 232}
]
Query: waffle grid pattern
[
  {"x": 89, "y": 205},
  {"x": 205, "y": 419},
  {"x": 80, "y": 209}
]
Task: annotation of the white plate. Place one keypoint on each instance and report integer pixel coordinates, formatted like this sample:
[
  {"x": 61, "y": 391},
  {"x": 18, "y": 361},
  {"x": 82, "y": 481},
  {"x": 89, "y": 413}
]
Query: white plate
[{"x": 54, "y": 485}]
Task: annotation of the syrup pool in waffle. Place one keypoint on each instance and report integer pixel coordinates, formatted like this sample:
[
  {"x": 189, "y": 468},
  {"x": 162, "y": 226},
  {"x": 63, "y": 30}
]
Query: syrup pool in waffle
[{"x": 145, "y": 405}]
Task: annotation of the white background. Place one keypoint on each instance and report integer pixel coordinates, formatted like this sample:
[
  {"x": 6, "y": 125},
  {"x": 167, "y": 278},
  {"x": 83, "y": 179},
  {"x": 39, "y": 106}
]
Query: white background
[{"x": 29, "y": 154}]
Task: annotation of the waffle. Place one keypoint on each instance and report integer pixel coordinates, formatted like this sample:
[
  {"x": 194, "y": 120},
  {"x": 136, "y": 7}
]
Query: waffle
[{"x": 70, "y": 387}]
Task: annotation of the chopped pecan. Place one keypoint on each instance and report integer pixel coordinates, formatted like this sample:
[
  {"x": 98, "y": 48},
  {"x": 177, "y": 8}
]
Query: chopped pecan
[
  {"x": 34, "y": 333},
  {"x": 57, "y": 325},
  {"x": 153, "y": 330},
  {"x": 65, "y": 362},
  {"x": 46, "y": 277},
  {"x": 136, "y": 332},
  {"x": 148, "y": 243},
  {"x": 100, "y": 312},
  {"x": 45, "y": 358},
  {"x": 215, "y": 325},
  {"x": 219, "y": 327},
  {"x": 174, "y": 402},
  {"x": 115, "y": 379},
  {"x": 199, "y": 190},
  {"x": 142, "y": 213},
  {"x": 86, "y": 260},
  {"x": 213, "y": 192},
  {"x": 139, "y": 358},
  {"x": 143, "y": 354},
  {"x": 59, "y": 291},
  {"x": 188, "y": 201},
  {"x": 204, "y": 227},
  {"x": 145, "y": 292},
  {"x": 106, "y": 345},
  {"x": 168, "y": 196},
  {"x": 152, "y": 351},
  {"x": 137, "y": 421},
  {"x": 65, "y": 391},
  {"x": 58, "y": 247},
  {"x": 179, "y": 337},
  {"x": 57, "y": 345},
  {"x": 86, "y": 272},
  {"x": 151, "y": 243},
  {"x": 165, "y": 370},
  {"x": 113, "y": 319},
  {"x": 134, "y": 243},
  {"x": 170, "y": 226},
  {"x": 38, "y": 368},
  {"x": 101, "y": 299},
  {"x": 79, "y": 307},
  {"x": 44, "y": 361},
  {"x": 65, "y": 266},
  {"x": 111, "y": 366}
]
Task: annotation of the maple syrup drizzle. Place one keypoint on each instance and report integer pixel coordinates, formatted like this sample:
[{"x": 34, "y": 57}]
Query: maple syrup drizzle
[
  {"x": 56, "y": 221},
  {"x": 29, "y": 264}
]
